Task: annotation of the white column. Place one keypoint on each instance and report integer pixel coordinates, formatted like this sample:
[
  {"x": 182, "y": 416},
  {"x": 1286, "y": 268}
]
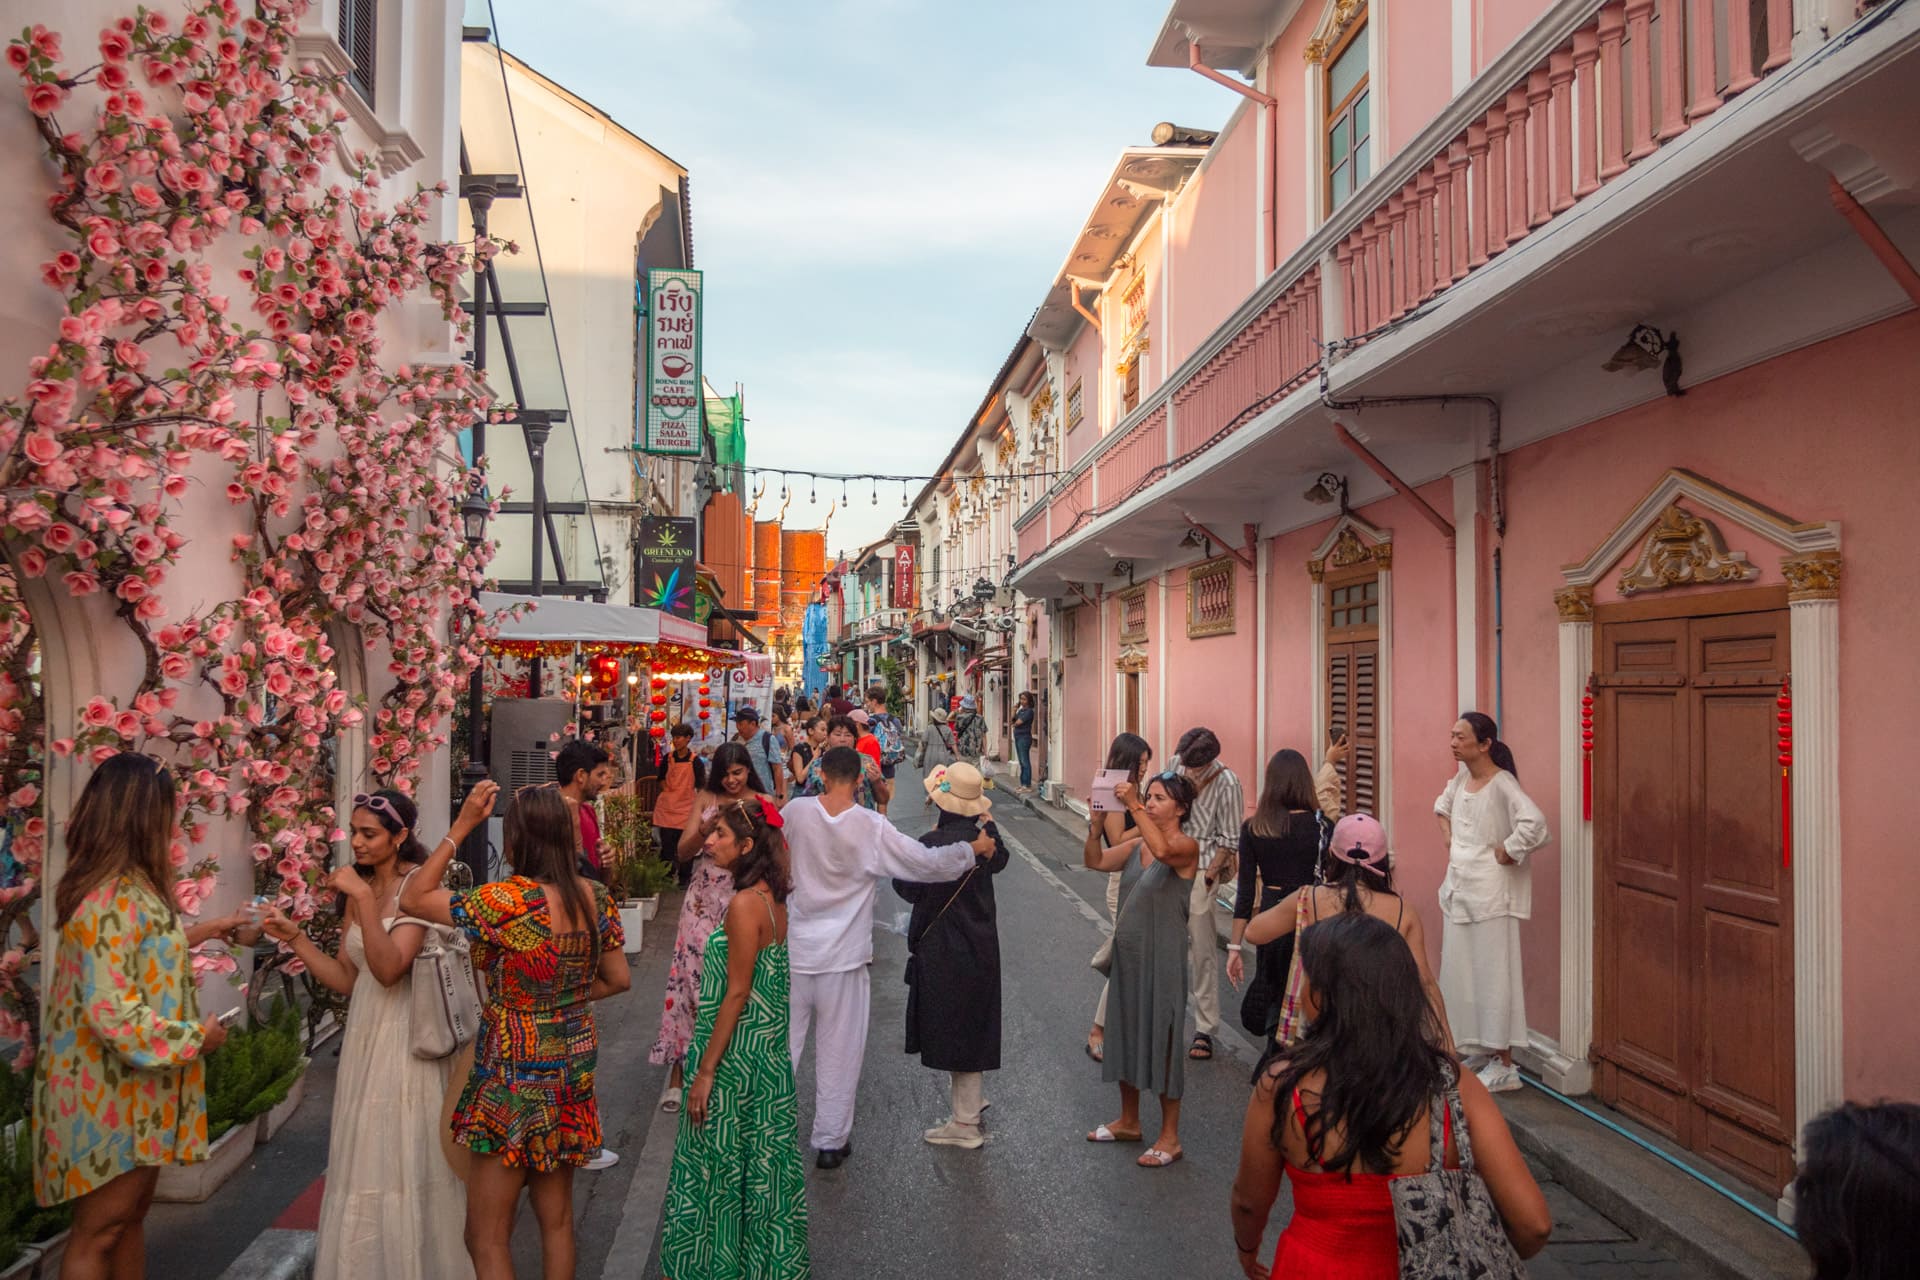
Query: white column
[
  {"x": 1317, "y": 646},
  {"x": 1466, "y": 586},
  {"x": 1161, "y": 661},
  {"x": 1383, "y": 695},
  {"x": 1462, "y": 43},
  {"x": 1568, "y": 1069},
  {"x": 1263, "y": 555},
  {"x": 1814, "y": 635}
]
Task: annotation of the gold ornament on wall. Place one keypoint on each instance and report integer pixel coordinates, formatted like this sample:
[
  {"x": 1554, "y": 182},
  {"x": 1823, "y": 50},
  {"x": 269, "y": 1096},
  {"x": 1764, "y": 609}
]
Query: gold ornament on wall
[
  {"x": 1684, "y": 550},
  {"x": 1574, "y": 603},
  {"x": 1814, "y": 576}
]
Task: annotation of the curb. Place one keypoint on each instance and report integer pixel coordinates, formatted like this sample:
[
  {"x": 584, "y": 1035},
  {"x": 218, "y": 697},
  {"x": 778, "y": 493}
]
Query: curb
[
  {"x": 276, "y": 1254},
  {"x": 1649, "y": 1198}
]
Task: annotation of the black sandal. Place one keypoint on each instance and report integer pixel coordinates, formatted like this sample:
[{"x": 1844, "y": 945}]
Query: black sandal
[
  {"x": 1098, "y": 1055},
  {"x": 1202, "y": 1047}
]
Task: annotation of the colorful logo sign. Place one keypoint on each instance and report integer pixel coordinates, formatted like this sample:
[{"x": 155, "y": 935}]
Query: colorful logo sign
[
  {"x": 672, "y": 391},
  {"x": 666, "y": 561}
]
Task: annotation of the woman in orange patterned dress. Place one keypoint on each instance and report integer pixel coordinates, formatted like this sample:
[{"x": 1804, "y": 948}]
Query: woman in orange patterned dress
[
  {"x": 549, "y": 943},
  {"x": 120, "y": 1085}
]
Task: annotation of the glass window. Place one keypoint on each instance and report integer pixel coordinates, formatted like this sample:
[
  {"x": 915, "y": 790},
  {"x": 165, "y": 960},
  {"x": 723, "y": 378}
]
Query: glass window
[{"x": 1348, "y": 135}]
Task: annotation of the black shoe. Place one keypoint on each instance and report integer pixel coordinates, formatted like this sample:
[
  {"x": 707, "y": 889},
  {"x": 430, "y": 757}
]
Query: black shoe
[{"x": 831, "y": 1159}]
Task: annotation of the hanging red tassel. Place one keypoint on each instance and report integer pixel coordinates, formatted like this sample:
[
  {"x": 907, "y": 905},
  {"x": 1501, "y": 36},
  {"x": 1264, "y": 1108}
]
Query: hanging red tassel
[
  {"x": 1586, "y": 753},
  {"x": 1785, "y": 716}
]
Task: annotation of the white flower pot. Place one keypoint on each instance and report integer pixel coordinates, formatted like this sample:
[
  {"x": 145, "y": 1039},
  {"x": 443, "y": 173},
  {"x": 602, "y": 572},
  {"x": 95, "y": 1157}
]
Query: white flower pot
[
  {"x": 633, "y": 921},
  {"x": 650, "y": 907},
  {"x": 272, "y": 1122},
  {"x": 193, "y": 1183}
]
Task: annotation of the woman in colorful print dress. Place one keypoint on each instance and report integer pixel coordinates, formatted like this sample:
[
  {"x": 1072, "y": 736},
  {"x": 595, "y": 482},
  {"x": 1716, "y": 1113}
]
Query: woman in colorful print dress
[
  {"x": 549, "y": 943},
  {"x": 736, "y": 1196},
  {"x": 393, "y": 1206},
  {"x": 732, "y": 777},
  {"x": 120, "y": 1082}
]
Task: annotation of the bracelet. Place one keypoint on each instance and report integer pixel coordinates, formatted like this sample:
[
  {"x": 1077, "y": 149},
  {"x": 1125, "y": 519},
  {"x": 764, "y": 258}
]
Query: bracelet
[
  {"x": 1242, "y": 1248},
  {"x": 448, "y": 840}
]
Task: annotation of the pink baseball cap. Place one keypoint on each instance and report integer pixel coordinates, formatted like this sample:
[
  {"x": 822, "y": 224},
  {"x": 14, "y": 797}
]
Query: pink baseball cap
[
  {"x": 1360, "y": 839},
  {"x": 859, "y": 715}
]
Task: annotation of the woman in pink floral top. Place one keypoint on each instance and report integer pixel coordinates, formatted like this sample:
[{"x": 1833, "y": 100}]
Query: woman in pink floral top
[
  {"x": 701, "y": 912},
  {"x": 120, "y": 1081}
]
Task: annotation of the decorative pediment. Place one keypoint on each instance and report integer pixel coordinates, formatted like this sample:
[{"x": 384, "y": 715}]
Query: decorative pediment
[
  {"x": 1333, "y": 24},
  {"x": 1683, "y": 550},
  {"x": 1704, "y": 502},
  {"x": 1351, "y": 541},
  {"x": 1132, "y": 661}
]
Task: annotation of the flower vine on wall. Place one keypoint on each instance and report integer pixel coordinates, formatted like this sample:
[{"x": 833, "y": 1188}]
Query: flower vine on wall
[{"x": 187, "y": 144}]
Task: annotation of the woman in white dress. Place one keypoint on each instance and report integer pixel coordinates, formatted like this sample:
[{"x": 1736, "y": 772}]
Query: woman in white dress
[
  {"x": 393, "y": 1206},
  {"x": 1490, "y": 826}
]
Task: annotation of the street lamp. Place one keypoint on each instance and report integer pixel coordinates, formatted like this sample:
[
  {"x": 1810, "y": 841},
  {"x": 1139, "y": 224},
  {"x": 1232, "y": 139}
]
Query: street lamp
[{"x": 474, "y": 511}]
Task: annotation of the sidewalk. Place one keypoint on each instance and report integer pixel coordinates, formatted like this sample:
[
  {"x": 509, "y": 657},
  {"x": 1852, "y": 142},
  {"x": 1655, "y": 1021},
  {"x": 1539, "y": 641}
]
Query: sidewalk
[{"x": 1614, "y": 1203}]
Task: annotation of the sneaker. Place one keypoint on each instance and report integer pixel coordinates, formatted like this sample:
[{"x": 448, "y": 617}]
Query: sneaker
[
  {"x": 955, "y": 1134},
  {"x": 605, "y": 1160},
  {"x": 1476, "y": 1062},
  {"x": 1500, "y": 1078}
]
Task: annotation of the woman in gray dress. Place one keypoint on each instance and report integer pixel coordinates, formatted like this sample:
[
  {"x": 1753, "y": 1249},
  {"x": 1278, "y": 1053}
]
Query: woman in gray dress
[
  {"x": 1147, "y": 983},
  {"x": 936, "y": 744}
]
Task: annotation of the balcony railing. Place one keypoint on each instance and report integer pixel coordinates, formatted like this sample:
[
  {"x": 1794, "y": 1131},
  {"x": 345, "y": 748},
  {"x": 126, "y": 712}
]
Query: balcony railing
[{"x": 1594, "y": 87}]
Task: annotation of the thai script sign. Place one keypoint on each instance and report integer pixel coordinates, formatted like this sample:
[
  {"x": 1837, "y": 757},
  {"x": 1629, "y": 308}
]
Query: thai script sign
[
  {"x": 903, "y": 584},
  {"x": 672, "y": 336}
]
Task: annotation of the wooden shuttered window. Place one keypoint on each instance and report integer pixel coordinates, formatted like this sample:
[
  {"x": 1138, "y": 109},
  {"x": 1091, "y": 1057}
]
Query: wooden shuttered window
[
  {"x": 359, "y": 32},
  {"x": 1353, "y": 702}
]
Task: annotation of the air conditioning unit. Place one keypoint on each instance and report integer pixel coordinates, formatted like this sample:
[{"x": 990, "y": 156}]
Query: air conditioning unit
[{"x": 520, "y": 738}]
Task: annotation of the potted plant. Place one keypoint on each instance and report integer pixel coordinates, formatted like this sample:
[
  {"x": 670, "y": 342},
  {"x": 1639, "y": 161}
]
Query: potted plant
[
  {"x": 654, "y": 878},
  {"x": 247, "y": 1077},
  {"x": 32, "y": 1239}
]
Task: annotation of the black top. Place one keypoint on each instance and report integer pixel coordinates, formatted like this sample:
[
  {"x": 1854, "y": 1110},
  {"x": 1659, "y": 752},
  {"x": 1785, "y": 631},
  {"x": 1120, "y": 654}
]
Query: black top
[
  {"x": 1023, "y": 723},
  {"x": 953, "y": 967},
  {"x": 1283, "y": 863}
]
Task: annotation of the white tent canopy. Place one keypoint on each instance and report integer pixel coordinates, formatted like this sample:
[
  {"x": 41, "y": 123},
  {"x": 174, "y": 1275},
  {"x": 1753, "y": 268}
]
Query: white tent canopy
[{"x": 556, "y": 620}]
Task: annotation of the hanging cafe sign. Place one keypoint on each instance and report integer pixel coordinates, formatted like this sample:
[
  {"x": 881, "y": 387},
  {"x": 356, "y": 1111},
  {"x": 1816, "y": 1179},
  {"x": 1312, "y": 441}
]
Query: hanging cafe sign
[{"x": 671, "y": 333}]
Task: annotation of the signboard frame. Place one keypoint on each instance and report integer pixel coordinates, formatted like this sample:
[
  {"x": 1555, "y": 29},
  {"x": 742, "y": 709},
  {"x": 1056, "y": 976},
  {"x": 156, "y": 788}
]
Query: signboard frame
[{"x": 672, "y": 402}]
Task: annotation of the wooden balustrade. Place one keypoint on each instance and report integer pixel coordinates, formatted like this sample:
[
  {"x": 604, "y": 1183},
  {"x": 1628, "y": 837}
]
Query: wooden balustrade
[{"x": 1635, "y": 77}]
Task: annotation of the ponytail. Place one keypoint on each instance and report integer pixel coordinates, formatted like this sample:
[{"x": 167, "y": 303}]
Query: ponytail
[{"x": 1502, "y": 755}]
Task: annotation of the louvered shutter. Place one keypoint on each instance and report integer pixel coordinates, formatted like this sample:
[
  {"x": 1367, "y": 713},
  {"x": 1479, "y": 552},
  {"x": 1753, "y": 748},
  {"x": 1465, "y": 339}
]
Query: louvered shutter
[
  {"x": 1353, "y": 704},
  {"x": 359, "y": 30}
]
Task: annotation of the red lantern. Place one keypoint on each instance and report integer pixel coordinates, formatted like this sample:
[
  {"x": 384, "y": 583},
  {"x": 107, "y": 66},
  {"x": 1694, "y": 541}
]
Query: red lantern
[
  {"x": 658, "y": 731},
  {"x": 706, "y": 715},
  {"x": 659, "y": 699},
  {"x": 658, "y": 716},
  {"x": 706, "y": 702},
  {"x": 658, "y": 684},
  {"x": 1785, "y": 717},
  {"x": 705, "y": 687}
]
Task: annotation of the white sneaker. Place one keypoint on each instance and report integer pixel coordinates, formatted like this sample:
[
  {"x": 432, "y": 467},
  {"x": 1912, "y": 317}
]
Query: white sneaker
[
  {"x": 1500, "y": 1078},
  {"x": 954, "y": 1134},
  {"x": 605, "y": 1160},
  {"x": 1476, "y": 1062}
]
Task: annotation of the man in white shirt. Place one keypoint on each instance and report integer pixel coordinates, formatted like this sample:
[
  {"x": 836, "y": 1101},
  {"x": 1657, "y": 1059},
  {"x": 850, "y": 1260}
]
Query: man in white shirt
[
  {"x": 841, "y": 855},
  {"x": 1214, "y": 822}
]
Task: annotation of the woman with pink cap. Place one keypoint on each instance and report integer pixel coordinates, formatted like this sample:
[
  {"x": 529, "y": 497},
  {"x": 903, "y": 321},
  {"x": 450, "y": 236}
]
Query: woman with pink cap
[{"x": 1358, "y": 879}]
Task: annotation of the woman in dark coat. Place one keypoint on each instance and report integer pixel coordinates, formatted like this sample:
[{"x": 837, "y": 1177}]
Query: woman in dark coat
[{"x": 953, "y": 972}]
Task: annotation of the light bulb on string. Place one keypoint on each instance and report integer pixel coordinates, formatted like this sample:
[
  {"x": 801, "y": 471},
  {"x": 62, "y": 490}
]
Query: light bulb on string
[
  {"x": 903, "y": 493},
  {"x": 813, "y": 496},
  {"x": 783, "y": 486},
  {"x": 876, "y": 495},
  {"x": 843, "y": 493}
]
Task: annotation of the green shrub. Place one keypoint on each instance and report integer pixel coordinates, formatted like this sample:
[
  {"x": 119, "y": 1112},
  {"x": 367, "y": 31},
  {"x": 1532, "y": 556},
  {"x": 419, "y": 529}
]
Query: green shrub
[
  {"x": 22, "y": 1222},
  {"x": 252, "y": 1072}
]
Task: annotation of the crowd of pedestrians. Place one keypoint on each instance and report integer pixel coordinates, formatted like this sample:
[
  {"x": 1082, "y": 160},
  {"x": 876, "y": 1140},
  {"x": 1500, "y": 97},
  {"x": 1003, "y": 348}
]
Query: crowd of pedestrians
[{"x": 1372, "y": 1100}]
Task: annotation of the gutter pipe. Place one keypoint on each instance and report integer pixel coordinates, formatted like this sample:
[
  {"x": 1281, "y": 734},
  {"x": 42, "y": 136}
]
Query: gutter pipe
[
  {"x": 1073, "y": 292},
  {"x": 1272, "y": 107}
]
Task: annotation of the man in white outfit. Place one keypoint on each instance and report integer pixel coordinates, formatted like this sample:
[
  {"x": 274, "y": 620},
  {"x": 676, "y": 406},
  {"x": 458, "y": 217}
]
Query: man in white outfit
[{"x": 842, "y": 854}]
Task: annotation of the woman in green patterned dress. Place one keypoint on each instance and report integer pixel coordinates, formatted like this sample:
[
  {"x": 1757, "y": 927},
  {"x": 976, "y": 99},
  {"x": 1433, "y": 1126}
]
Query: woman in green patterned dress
[{"x": 736, "y": 1198}]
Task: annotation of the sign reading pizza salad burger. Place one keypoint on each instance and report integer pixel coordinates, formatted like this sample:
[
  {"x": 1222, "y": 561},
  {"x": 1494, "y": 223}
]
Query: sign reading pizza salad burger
[{"x": 673, "y": 391}]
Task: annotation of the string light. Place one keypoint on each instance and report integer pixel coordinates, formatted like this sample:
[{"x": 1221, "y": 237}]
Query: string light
[
  {"x": 843, "y": 493},
  {"x": 876, "y": 494},
  {"x": 903, "y": 493},
  {"x": 813, "y": 497}
]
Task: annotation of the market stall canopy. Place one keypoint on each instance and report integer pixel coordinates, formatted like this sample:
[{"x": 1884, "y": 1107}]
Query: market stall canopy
[{"x": 555, "y": 626}]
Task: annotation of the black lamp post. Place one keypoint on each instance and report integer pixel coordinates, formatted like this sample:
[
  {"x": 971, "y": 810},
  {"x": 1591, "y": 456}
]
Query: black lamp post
[
  {"x": 538, "y": 428},
  {"x": 473, "y": 527}
]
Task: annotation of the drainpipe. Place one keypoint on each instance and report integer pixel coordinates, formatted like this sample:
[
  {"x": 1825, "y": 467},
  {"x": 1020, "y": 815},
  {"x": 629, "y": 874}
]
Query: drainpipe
[
  {"x": 1876, "y": 240},
  {"x": 1272, "y": 106}
]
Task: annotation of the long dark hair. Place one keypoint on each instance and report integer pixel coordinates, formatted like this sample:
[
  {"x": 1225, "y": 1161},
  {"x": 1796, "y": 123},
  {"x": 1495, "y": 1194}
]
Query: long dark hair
[
  {"x": 1376, "y": 1039},
  {"x": 727, "y": 755},
  {"x": 542, "y": 836},
  {"x": 1857, "y": 1198},
  {"x": 1288, "y": 789},
  {"x": 1487, "y": 734},
  {"x": 1129, "y": 751},
  {"x": 121, "y": 826},
  {"x": 408, "y": 820},
  {"x": 1349, "y": 878},
  {"x": 766, "y": 859}
]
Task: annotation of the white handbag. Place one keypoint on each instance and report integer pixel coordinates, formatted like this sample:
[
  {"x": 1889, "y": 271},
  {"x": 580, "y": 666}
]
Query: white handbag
[{"x": 446, "y": 995}]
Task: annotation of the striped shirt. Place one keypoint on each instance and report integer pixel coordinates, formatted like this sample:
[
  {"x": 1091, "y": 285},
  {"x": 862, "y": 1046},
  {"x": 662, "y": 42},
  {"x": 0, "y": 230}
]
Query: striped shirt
[{"x": 1215, "y": 819}]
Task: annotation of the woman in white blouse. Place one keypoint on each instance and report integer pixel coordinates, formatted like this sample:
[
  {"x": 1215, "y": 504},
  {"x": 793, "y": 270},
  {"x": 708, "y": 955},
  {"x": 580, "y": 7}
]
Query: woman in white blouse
[{"x": 1490, "y": 827}]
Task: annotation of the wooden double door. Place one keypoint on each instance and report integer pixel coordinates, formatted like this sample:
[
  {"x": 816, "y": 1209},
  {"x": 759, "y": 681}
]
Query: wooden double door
[{"x": 1694, "y": 1031}]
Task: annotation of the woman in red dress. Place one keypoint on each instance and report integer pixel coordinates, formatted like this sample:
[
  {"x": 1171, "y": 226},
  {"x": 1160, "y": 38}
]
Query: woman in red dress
[{"x": 1345, "y": 1111}]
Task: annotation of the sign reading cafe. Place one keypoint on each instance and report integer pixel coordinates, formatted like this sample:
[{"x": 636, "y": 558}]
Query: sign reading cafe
[{"x": 672, "y": 336}]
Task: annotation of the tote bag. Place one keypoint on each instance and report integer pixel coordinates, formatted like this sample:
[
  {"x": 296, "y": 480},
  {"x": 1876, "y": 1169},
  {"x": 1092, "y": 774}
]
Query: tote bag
[{"x": 1445, "y": 1219}]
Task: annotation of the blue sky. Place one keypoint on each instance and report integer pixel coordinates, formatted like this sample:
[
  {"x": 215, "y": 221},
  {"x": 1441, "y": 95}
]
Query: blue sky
[{"x": 882, "y": 191}]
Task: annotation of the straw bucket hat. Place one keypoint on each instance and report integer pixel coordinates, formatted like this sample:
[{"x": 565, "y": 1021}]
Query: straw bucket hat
[
  {"x": 959, "y": 788},
  {"x": 938, "y": 715}
]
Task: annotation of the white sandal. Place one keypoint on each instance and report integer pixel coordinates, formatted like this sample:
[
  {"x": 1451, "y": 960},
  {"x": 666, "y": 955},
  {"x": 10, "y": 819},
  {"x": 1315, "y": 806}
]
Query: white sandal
[{"x": 670, "y": 1100}]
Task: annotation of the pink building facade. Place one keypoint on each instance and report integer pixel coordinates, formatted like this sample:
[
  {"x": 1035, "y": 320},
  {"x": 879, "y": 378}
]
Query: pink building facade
[{"x": 1365, "y": 440}]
